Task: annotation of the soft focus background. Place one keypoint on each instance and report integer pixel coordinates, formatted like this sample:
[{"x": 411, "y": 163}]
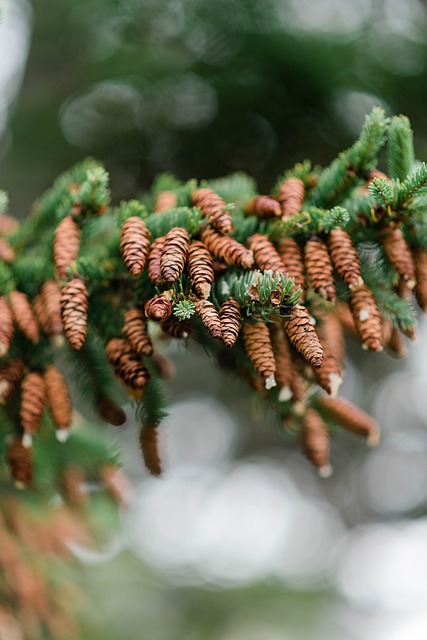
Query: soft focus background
[{"x": 239, "y": 540}]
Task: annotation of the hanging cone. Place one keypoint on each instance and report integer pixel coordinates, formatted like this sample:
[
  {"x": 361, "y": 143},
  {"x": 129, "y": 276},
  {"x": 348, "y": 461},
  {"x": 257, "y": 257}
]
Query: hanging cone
[
  {"x": 292, "y": 258},
  {"x": 227, "y": 249},
  {"x": 302, "y": 335},
  {"x": 58, "y": 400},
  {"x": 33, "y": 401},
  {"x": 396, "y": 345},
  {"x": 158, "y": 308},
  {"x": 332, "y": 341},
  {"x": 174, "y": 254},
  {"x": 154, "y": 256},
  {"x": 20, "y": 462},
  {"x": 74, "y": 307},
  {"x": 299, "y": 388},
  {"x": 257, "y": 342},
  {"x": 176, "y": 328},
  {"x": 40, "y": 313},
  {"x": 319, "y": 269},
  {"x": 6, "y": 326},
  {"x": 282, "y": 356},
  {"x": 135, "y": 244},
  {"x": 345, "y": 317},
  {"x": 367, "y": 318},
  {"x": 291, "y": 196},
  {"x": 11, "y": 374},
  {"x": 403, "y": 291},
  {"x": 344, "y": 257},
  {"x": 165, "y": 200},
  {"x": 73, "y": 480},
  {"x": 200, "y": 268},
  {"x": 24, "y": 316},
  {"x": 263, "y": 207},
  {"x": 212, "y": 207},
  {"x": 231, "y": 322},
  {"x": 110, "y": 412},
  {"x": 397, "y": 251},
  {"x": 265, "y": 254},
  {"x": 149, "y": 442},
  {"x": 51, "y": 297},
  {"x": 126, "y": 364},
  {"x": 7, "y": 254},
  {"x": 351, "y": 418},
  {"x": 116, "y": 483},
  {"x": 66, "y": 244},
  {"x": 315, "y": 442},
  {"x": 420, "y": 259},
  {"x": 135, "y": 330},
  {"x": 208, "y": 314}
]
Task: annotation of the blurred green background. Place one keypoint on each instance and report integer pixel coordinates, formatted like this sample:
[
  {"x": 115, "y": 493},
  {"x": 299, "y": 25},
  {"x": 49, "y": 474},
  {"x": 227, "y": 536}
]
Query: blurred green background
[{"x": 240, "y": 540}]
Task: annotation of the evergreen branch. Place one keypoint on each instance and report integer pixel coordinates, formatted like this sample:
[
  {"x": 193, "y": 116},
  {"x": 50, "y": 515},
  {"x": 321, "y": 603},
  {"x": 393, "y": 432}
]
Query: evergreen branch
[
  {"x": 187, "y": 218},
  {"x": 400, "y": 148},
  {"x": 152, "y": 408},
  {"x": 382, "y": 191},
  {"x": 415, "y": 185},
  {"x": 238, "y": 188}
]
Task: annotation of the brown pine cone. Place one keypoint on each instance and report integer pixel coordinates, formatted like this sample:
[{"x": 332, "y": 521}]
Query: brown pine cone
[
  {"x": 374, "y": 173},
  {"x": 135, "y": 330},
  {"x": 291, "y": 196},
  {"x": 420, "y": 259},
  {"x": 116, "y": 483},
  {"x": 284, "y": 366},
  {"x": 7, "y": 254},
  {"x": 154, "y": 256},
  {"x": 175, "y": 249},
  {"x": 11, "y": 374},
  {"x": 302, "y": 335},
  {"x": 212, "y": 207},
  {"x": 165, "y": 200},
  {"x": 345, "y": 317},
  {"x": 263, "y": 207},
  {"x": 397, "y": 251},
  {"x": 176, "y": 328},
  {"x": 291, "y": 256},
  {"x": 135, "y": 244},
  {"x": 351, "y": 418},
  {"x": 149, "y": 443},
  {"x": 257, "y": 342},
  {"x": 33, "y": 401},
  {"x": 20, "y": 462},
  {"x": 66, "y": 244},
  {"x": 319, "y": 269},
  {"x": 367, "y": 318},
  {"x": 299, "y": 386},
  {"x": 58, "y": 400},
  {"x": 344, "y": 257},
  {"x": 395, "y": 344},
  {"x": 231, "y": 322},
  {"x": 127, "y": 364},
  {"x": 24, "y": 316},
  {"x": 315, "y": 442},
  {"x": 207, "y": 313},
  {"x": 328, "y": 376},
  {"x": 40, "y": 313},
  {"x": 158, "y": 308},
  {"x": 110, "y": 412},
  {"x": 227, "y": 249},
  {"x": 265, "y": 254},
  {"x": 74, "y": 308},
  {"x": 200, "y": 268},
  {"x": 6, "y": 326},
  {"x": 73, "y": 480},
  {"x": 51, "y": 297}
]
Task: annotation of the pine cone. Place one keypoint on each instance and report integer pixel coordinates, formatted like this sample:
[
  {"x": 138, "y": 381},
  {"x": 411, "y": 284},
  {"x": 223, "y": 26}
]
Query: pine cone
[
  {"x": 263, "y": 207},
  {"x": 51, "y": 297},
  {"x": 200, "y": 268},
  {"x": 398, "y": 253},
  {"x": 207, "y": 313},
  {"x": 149, "y": 442},
  {"x": 284, "y": 366},
  {"x": 420, "y": 259},
  {"x": 40, "y": 313},
  {"x": 367, "y": 318},
  {"x": 33, "y": 401},
  {"x": 11, "y": 374},
  {"x": 110, "y": 412},
  {"x": 372, "y": 174},
  {"x": 7, "y": 254},
  {"x": 158, "y": 308},
  {"x": 175, "y": 249},
  {"x": 73, "y": 480},
  {"x": 135, "y": 244},
  {"x": 319, "y": 269},
  {"x": 135, "y": 330},
  {"x": 299, "y": 388},
  {"x": 74, "y": 307},
  {"x": 58, "y": 399},
  {"x": 265, "y": 254},
  {"x": 165, "y": 200},
  {"x": 154, "y": 256},
  {"x": 24, "y": 316},
  {"x": 395, "y": 344},
  {"x": 328, "y": 376},
  {"x": 257, "y": 342},
  {"x": 302, "y": 335},
  {"x": 176, "y": 328},
  {"x": 126, "y": 364},
  {"x": 344, "y": 257},
  {"x": 231, "y": 322},
  {"x": 291, "y": 196},
  {"x": 116, "y": 484},
  {"x": 212, "y": 207},
  {"x": 66, "y": 244},
  {"x": 20, "y": 463},
  {"x": 227, "y": 249},
  {"x": 292, "y": 258},
  {"x": 351, "y": 418},
  {"x": 6, "y": 326},
  {"x": 315, "y": 442}
]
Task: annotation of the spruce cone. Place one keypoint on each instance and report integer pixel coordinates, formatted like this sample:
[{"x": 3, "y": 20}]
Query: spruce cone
[
  {"x": 66, "y": 244},
  {"x": 20, "y": 463},
  {"x": 257, "y": 342},
  {"x": 73, "y": 480},
  {"x": 165, "y": 200},
  {"x": 175, "y": 249},
  {"x": 227, "y": 249},
  {"x": 110, "y": 412},
  {"x": 6, "y": 326},
  {"x": 291, "y": 256},
  {"x": 158, "y": 308},
  {"x": 263, "y": 207},
  {"x": 135, "y": 330},
  {"x": 51, "y": 297},
  {"x": 24, "y": 316},
  {"x": 58, "y": 399},
  {"x": 126, "y": 364},
  {"x": 135, "y": 244},
  {"x": 302, "y": 335},
  {"x": 231, "y": 322},
  {"x": 291, "y": 196},
  {"x": 315, "y": 442},
  {"x": 319, "y": 269},
  {"x": 344, "y": 257},
  {"x": 200, "y": 268},
  {"x": 284, "y": 366},
  {"x": 374, "y": 173},
  {"x": 7, "y": 254},
  {"x": 11, "y": 374},
  {"x": 33, "y": 401},
  {"x": 176, "y": 328},
  {"x": 332, "y": 341},
  {"x": 420, "y": 259},
  {"x": 298, "y": 392},
  {"x": 74, "y": 307},
  {"x": 265, "y": 254},
  {"x": 116, "y": 483},
  {"x": 351, "y": 418},
  {"x": 40, "y": 313},
  {"x": 207, "y": 313},
  {"x": 212, "y": 206},
  {"x": 395, "y": 344},
  {"x": 155, "y": 254},
  {"x": 398, "y": 253},
  {"x": 149, "y": 442},
  {"x": 367, "y": 318}
]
